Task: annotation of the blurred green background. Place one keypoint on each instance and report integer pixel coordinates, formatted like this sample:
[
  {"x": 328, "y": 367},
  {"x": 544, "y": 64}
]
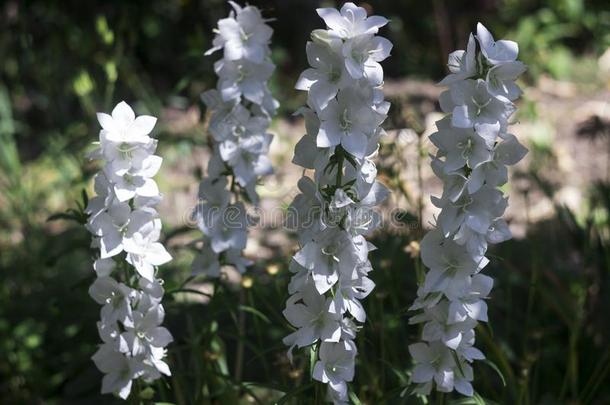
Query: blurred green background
[{"x": 61, "y": 61}]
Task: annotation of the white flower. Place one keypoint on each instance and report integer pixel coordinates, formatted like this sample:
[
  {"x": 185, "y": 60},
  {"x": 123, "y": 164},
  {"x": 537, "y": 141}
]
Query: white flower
[
  {"x": 327, "y": 74},
  {"x": 348, "y": 121},
  {"x": 349, "y": 294},
  {"x": 214, "y": 198},
  {"x": 496, "y": 52},
  {"x": 362, "y": 56},
  {"x": 229, "y": 231},
  {"x": 462, "y": 64},
  {"x": 433, "y": 364},
  {"x": 469, "y": 303},
  {"x": 126, "y": 156},
  {"x": 336, "y": 205},
  {"x": 308, "y": 312},
  {"x": 144, "y": 251},
  {"x": 239, "y": 123},
  {"x": 235, "y": 258},
  {"x": 351, "y": 21},
  {"x": 241, "y": 108},
  {"x": 129, "y": 184},
  {"x": 124, "y": 127},
  {"x": 306, "y": 151},
  {"x": 243, "y": 36},
  {"x": 109, "y": 227},
  {"x": 327, "y": 257},
  {"x": 116, "y": 299},
  {"x": 494, "y": 172},
  {"x": 247, "y": 157},
  {"x": 305, "y": 211},
  {"x": 152, "y": 292},
  {"x": 104, "y": 267},
  {"x": 476, "y": 211},
  {"x": 475, "y": 106},
  {"x": 146, "y": 332},
  {"x": 206, "y": 262},
  {"x": 464, "y": 147},
  {"x": 119, "y": 371},
  {"x": 122, "y": 217},
  {"x": 500, "y": 80},
  {"x": 474, "y": 149},
  {"x": 153, "y": 365},
  {"x": 336, "y": 366},
  {"x": 104, "y": 196},
  {"x": 437, "y": 328},
  {"x": 243, "y": 78},
  {"x": 455, "y": 181},
  {"x": 111, "y": 334}
]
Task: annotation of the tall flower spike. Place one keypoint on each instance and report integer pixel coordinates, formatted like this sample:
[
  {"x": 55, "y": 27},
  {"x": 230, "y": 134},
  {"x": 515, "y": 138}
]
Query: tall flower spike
[
  {"x": 240, "y": 109},
  {"x": 335, "y": 208},
  {"x": 126, "y": 229},
  {"x": 474, "y": 149}
]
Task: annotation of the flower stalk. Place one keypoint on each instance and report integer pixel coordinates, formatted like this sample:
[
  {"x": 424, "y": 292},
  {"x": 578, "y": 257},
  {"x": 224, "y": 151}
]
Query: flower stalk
[
  {"x": 474, "y": 150},
  {"x": 241, "y": 108},
  {"x": 126, "y": 228},
  {"x": 335, "y": 207}
]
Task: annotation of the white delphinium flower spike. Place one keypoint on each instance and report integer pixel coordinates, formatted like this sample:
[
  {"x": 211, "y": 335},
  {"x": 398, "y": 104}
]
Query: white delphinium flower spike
[
  {"x": 126, "y": 229},
  {"x": 335, "y": 207},
  {"x": 240, "y": 109},
  {"x": 474, "y": 149}
]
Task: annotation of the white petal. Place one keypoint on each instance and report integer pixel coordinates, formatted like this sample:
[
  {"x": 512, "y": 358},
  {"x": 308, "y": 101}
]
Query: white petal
[
  {"x": 123, "y": 114},
  {"x": 106, "y": 122},
  {"x": 157, "y": 255},
  {"x": 148, "y": 189},
  {"x": 144, "y": 124}
]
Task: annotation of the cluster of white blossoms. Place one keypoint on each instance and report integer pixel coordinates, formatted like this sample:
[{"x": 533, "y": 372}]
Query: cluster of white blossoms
[
  {"x": 335, "y": 209},
  {"x": 126, "y": 229},
  {"x": 474, "y": 149},
  {"x": 241, "y": 108}
]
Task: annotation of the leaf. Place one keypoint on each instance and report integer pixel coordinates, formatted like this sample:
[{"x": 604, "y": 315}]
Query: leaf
[
  {"x": 457, "y": 361},
  {"x": 464, "y": 401},
  {"x": 147, "y": 393},
  {"x": 293, "y": 393},
  {"x": 313, "y": 357},
  {"x": 85, "y": 197},
  {"x": 62, "y": 216},
  {"x": 497, "y": 370},
  {"x": 354, "y": 398},
  {"x": 351, "y": 160},
  {"x": 255, "y": 312}
]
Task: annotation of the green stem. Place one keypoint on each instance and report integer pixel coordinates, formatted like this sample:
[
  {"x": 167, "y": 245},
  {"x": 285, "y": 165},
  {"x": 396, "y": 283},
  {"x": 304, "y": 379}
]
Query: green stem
[
  {"x": 241, "y": 332},
  {"x": 340, "y": 158}
]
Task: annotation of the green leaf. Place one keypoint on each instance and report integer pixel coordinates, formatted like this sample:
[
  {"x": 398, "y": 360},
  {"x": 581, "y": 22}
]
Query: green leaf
[
  {"x": 85, "y": 197},
  {"x": 294, "y": 393},
  {"x": 255, "y": 312},
  {"x": 354, "y": 398},
  {"x": 497, "y": 370},
  {"x": 313, "y": 357},
  {"x": 62, "y": 216},
  {"x": 147, "y": 393}
]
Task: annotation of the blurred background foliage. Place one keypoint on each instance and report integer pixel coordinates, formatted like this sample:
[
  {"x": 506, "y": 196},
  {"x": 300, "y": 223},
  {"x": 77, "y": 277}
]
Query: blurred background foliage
[{"x": 64, "y": 60}]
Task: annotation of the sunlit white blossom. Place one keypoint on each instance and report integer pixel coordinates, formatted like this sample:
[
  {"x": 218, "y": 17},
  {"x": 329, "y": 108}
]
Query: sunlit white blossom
[
  {"x": 240, "y": 109},
  {"x": 122, "y": 218},
  {"x": 335, "y": 207},
  {"x": 474, "y": 150}
]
